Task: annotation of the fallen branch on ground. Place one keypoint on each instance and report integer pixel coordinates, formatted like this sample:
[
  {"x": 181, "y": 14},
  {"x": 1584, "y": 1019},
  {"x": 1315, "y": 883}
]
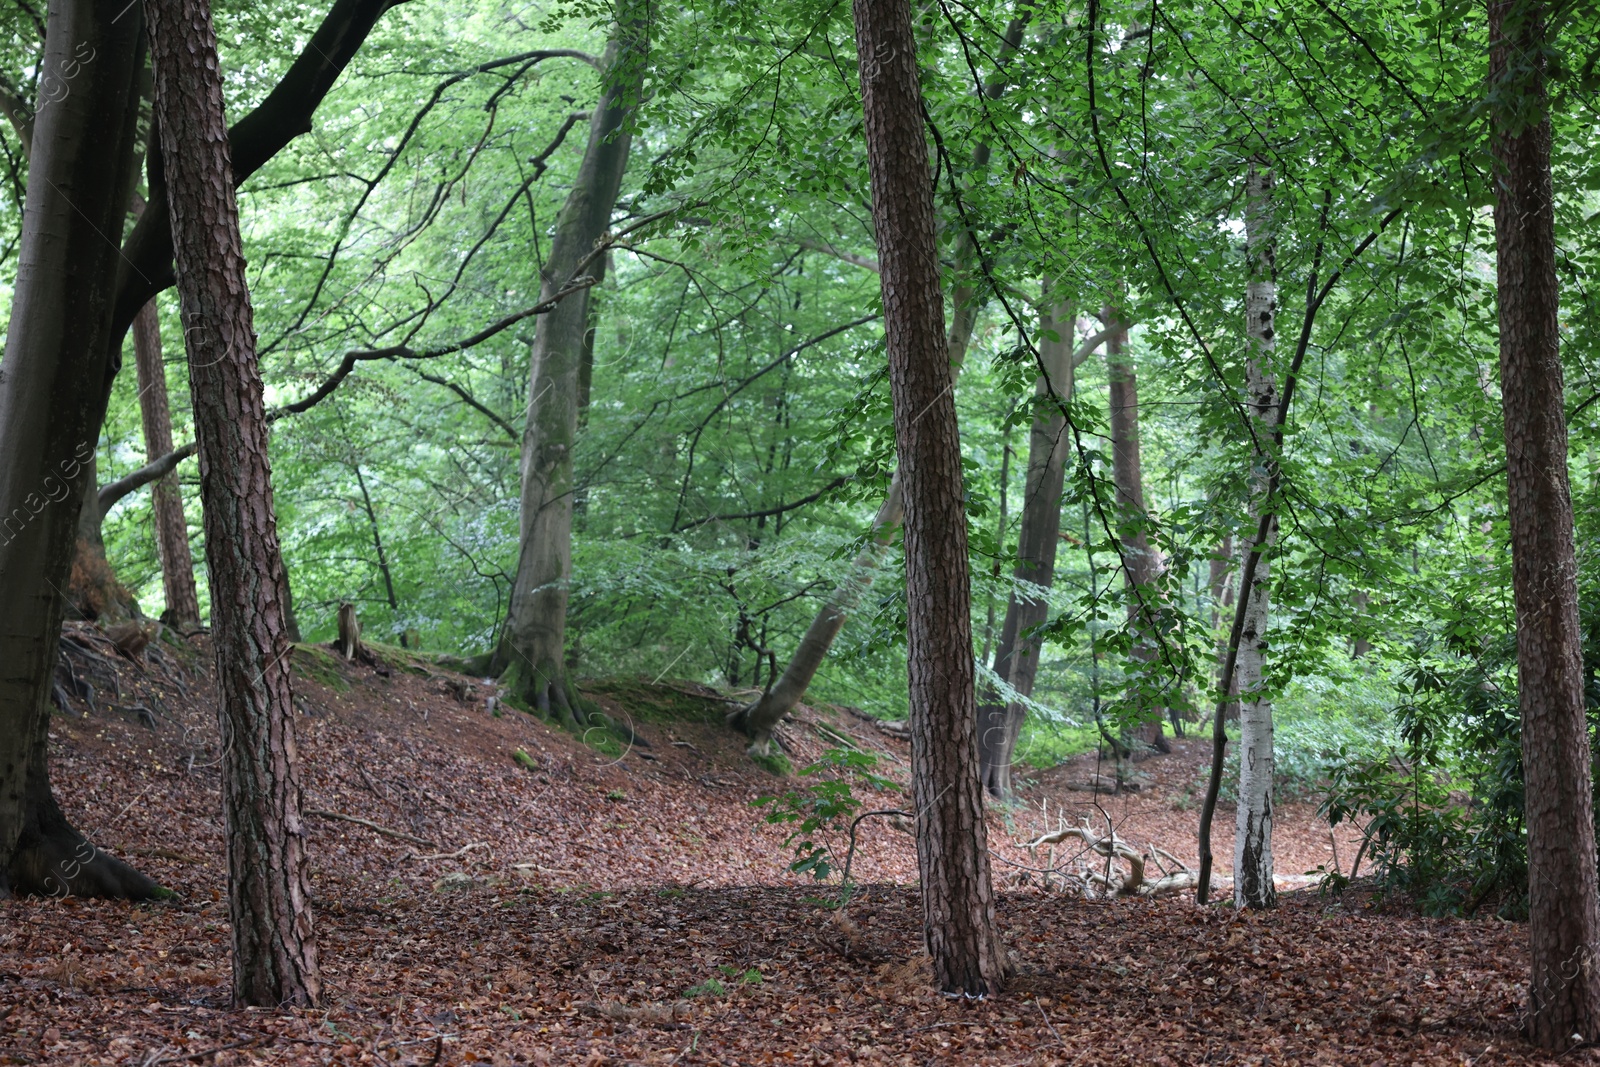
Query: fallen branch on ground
[
  {"x": 370, "y": 825},
  {"x": 1111, "y": 880}
]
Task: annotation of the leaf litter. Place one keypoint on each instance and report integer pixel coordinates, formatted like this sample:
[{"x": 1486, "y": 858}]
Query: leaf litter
[{"x": 579, "y": 906}]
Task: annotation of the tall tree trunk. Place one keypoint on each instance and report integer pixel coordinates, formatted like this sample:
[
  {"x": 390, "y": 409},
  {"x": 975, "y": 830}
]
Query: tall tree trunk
[
  {"x": 952, "y": 854},
  {"x": 1564, "y": 918},
  {"x": 51, "y": 406},
  {"x": 269, "y": 891},
  {"x": 758, "y": 718},
  {"x": 1252, "y": 844},
  {"x": 1142, "y": 565},
  {"x": 1016, "y": 658},
  {"x": 172, "y": 529},
  {"x": 532, "y": 652}
]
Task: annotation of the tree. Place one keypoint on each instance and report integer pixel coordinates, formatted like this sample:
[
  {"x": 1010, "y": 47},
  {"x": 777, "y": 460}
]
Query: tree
[
  {"x": 269, "y": 891},
  {"x": 82, "y": 170},
  {"x": 63, "y": 382},
  {"x": 172, "y": 530},
  {"x": 1252, "y": 844},
  {"x": 1563, "y": 905},
  {"x": 532, "y": 652},
  {"x": 1141, "y": 564},
  {"x": 952, "y": 856},
  {"x": 1016, "y": 657}
]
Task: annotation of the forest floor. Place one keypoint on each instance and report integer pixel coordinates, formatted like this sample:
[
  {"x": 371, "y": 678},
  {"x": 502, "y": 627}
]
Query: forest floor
[{"x": 586, "y": 908}]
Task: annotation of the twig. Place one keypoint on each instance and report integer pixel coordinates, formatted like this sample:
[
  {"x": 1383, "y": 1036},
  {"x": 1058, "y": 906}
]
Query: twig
[
  {"x": 384, "y": 830},
  {"x": 457, "y": 854}
]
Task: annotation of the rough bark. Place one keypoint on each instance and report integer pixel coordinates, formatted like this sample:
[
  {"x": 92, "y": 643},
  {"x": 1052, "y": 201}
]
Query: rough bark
[
  {"x": 172, "y": 529},
  {"x": 147, "y": 264},
  {"x": 532, "y": 653},
  {"x": 1016, "y": 658},
  {"x": 757, "y": 719},
  {"x": 269, "y": 892},
  {"x": 1142, "y": 565},
  {"x": 952, "y": 855},
  {"x": 1564, "y": 918},
  {"x": 81, "y": 171},
  {"x": 1252, "y": 848}
]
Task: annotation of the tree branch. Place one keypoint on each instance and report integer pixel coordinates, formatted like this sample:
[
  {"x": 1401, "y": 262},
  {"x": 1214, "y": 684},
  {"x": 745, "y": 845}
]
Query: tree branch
[{"x": 766, "y": 512}]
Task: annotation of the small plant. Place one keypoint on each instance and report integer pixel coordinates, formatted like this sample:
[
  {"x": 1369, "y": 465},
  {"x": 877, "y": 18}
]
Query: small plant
[
  {"x": 825, "y": 806},
  {"x": 709, "y": 988},
  {"x": 525, "y": 760},
  {"x": 616, "y": 794},
  {"x": 750, "y": 976},
  {"x": 671, "y": 893}
]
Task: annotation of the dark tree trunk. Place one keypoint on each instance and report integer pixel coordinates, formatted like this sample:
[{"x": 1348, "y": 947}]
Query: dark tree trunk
[
  {"x": 1016, "y": 658},
  {"x": 1142, "y": 565},
  {"x": 51, "y": 406},
  {"x": 1564, "y": 918},
  {"x": 952, "y": 855},
  {"x": 532, "y": 653},
  {"x": 172, "y": 529},
  {"x": 269, "y": 892}
]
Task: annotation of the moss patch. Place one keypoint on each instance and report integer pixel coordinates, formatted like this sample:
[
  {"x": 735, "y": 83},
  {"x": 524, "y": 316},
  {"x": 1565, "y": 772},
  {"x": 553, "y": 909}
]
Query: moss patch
[
  {"x": 321, "y": 666},
  {"x": 659, "y": 702},
  {"x": 773, "y": 762}
]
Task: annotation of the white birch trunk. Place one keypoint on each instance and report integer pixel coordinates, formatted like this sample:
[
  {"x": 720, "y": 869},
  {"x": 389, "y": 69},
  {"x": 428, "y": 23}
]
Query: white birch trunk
[{"x": 1252, "y": 847}]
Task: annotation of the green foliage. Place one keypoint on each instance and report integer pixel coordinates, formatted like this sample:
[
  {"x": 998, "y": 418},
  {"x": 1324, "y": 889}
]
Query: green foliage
[
  {"x": 823, "y": 808},
  {"x": 1442, "y": 812}
]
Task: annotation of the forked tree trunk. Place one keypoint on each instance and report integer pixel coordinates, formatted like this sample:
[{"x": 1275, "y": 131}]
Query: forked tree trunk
[
  {"x": 172, "y": 529},
  {"x": 1563, "y": 915},
  {"x": 531, "y": 656},
  {"x": 1016, "y": 658},
  {"x": 51, "y": 404},
  {"x": 958, "y": 904},
  {"x": 1142, "y": 565},
  {"x": 269, "y": 891},
  {"x": 1252, "y": 843}
]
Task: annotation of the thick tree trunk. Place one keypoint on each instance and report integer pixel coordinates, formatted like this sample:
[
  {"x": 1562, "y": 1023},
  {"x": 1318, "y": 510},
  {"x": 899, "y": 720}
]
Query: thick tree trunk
[
  {"x": 952, "y": 855},
  {"x": 1142, "y": 565},
  {"x": 81, "y": 171},
  {"x": 269, "y": 891},
  {"x": 532, "y": 653},
  {"x": 172, "y": 529},
  {"x": 1252, "y": 846},
  {"x": 93, "y": 590},
  {"x": 1564, "y": 918},
  {"x": 1016, "y": 658}
]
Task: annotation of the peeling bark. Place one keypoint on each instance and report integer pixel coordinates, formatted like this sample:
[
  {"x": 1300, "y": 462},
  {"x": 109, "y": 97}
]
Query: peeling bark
[{"x": 1252, "y": 851}]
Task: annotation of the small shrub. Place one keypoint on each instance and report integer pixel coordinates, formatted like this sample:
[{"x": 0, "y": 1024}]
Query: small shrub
[{"x": 823, "y": 807}]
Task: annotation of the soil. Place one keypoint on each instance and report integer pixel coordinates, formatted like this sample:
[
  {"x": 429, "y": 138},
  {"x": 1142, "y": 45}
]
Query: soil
[{"x": 593, "y": 907}]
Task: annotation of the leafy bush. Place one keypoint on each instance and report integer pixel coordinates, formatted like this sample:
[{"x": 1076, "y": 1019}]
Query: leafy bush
[{"x": 1443, "y": 810}]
